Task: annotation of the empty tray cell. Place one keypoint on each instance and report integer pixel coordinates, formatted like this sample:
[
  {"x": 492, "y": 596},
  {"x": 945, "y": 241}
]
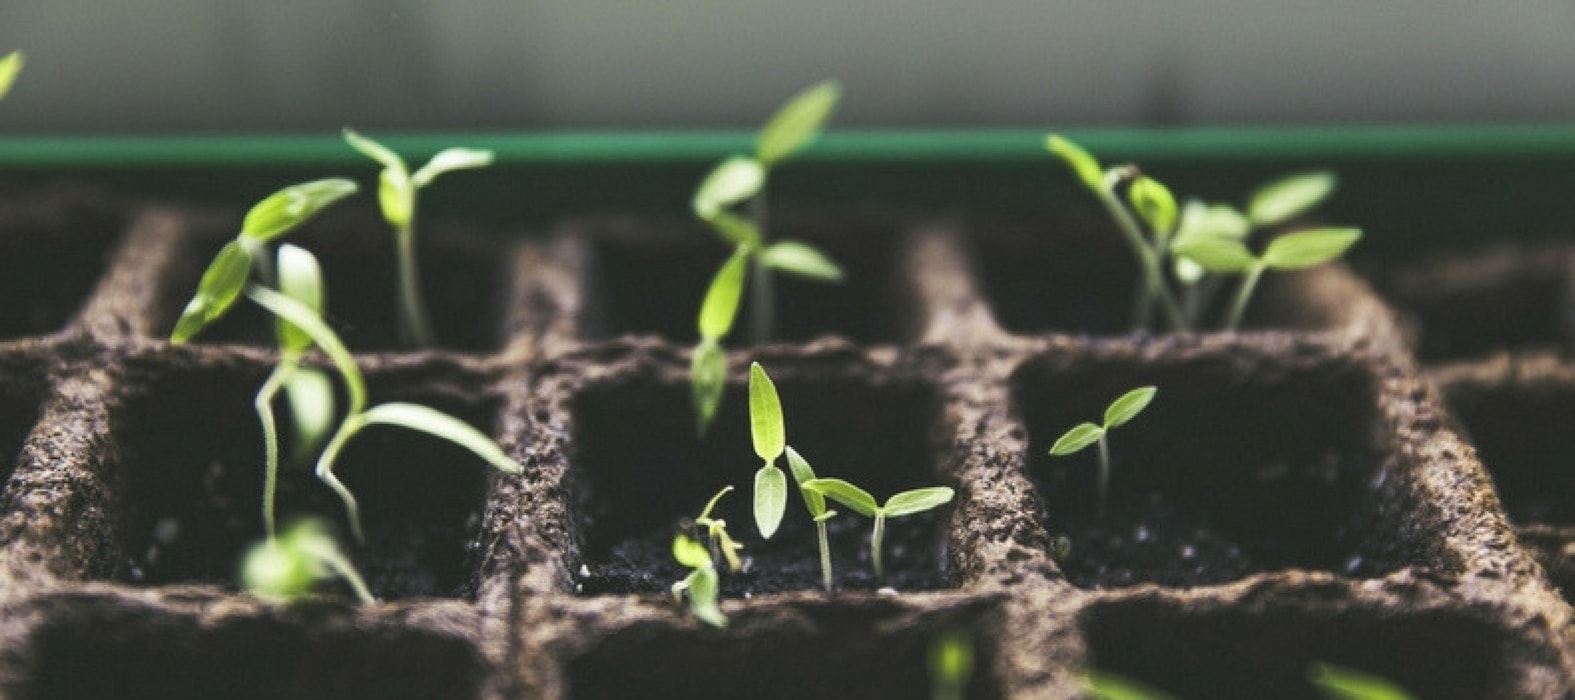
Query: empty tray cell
[
  {"x": 1266, "y": 651},
  {"x": 848, "y": 649},
  {"x": 191, "y": 453},
  {"x": 461, "y": 275},
  {"x": 1077, "y": 276},
  {"x": 53, "y": 248},
  {"x": 1467, "y": 305},
  {"x": 639, "y": 468},
  {"x": 652, "y": 280},
  {"x": 1242, "y": 463},
  {"x": 20, "y": 395},
  {"x": 1520, "y": 424},
  {"x": 115, "y": 648}
]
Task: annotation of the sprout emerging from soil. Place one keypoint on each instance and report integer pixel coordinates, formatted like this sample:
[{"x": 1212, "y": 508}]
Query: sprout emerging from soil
[
  {"x": 1118, "y": 413},
  {"x": 1340, "y": 683},
  {"x": 722, "y": 544},
  {"x": 951, "y": 665},
  {"x": 860, "y": 501},
  {"x": 769, "y": 434},
  {"x": 287, "y": 567},
  {"x": 702, "y": 584},
  {"x": 1102, "y": 685},
  {"x": 733, "y": 182},
  {"x": 396, "y": 195},
  {"x": 10, "y": 67},
  {"x": 815, "y": 503}
]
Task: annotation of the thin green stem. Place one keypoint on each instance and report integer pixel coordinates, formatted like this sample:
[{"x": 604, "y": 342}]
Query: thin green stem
[
  {"x": 1104, "y": 475},
  {"x": 414, "y": 324},
  {"x": 1239, "y": 307},
  {"x": 325, "y": 471},
  {"x": 1148, "y": 259},
  {"x": 335, "y": 560},
  {"x": 875, "y": 539},
  {"x": 762, "y": 291},
  {"x": 264, "y": 405},
  {"x": 825, "y": 555}
]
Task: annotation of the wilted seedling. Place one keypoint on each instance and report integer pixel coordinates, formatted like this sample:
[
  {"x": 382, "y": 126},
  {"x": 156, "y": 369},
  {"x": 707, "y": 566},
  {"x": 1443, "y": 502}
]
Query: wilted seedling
[
  {"x": 951, "y": 665},
  {"x": 769, "y": 435},
  {"x": 287, "y": 567},
  {"x": 722, "y": 544},
  {"x": 816, "y": 505},
  {"x": 1102, "y": 685},
  {"x": 860, "y": 501},
  {"x": 702, "y": 585},
  {"x": 1118, "y": 413},
  {"x": 731, "y": 183},
  {"x": 1340, "y": 683},
  {"x": 396, "y": 195}
]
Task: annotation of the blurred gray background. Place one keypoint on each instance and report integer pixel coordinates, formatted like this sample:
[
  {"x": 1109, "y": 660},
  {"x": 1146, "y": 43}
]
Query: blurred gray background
[{"x": 224, "y": 66}]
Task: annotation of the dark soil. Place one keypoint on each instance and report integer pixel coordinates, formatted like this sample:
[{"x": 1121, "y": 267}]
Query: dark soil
[
  {"x": 52, "y": 251},
  {"x": 1521, "y": 428}
]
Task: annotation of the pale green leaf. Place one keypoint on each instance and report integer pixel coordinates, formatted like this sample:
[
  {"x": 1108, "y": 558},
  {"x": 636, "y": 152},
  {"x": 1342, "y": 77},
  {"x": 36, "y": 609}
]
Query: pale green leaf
[
  {"x": 301, "y": 279},
  {"x": 396, "y": 196},
  {"x": 720, "y": 306},
  {"x": 282, "y": 211},
  {"x": 770, "y": 499},
  {"x": 10, "y": 67},
  {"x": 384, "y": 156},
  {"x": 703, "y": 591},
  {"x": 734, "y": 229},
  {"x": 273, "y": 570},
  {"x": 1303, "y": 249},
  {"x": 801, "y": 259},
  {"x": 1154, "y": 204},
  {"x": 917, "y": 501},
  {"x": 450, "y": 159},
  {"x": 221, "y": 284},
  {"x": 1080, "y": 436},
  {"x": 1218, "y": 255},
  {"x": 439, "y": 424},
  {"x": 802, "y": 472},
  {"x": 1199, "y": 220},
  {"x": 855, "y": 498},
  {"x": 797, "y": 122},
  {"x": 1289, "y": 197},
  {"x": 1188, "y": 271},
  {"x": 707, "y": 379},
  {"x": 1083, "y": 165},
  {"x": 1108, "y": 686},
  {"x": 732, "y": 181},
  {"x": 765, "y": 415},
  {"x": 1128, "y": 406},
  {"x": 1339, "y": 683},
  {"x": 322, "y": 336},
  {"x": 311, "y": 397},
  {"x": 690, "y": 552}
]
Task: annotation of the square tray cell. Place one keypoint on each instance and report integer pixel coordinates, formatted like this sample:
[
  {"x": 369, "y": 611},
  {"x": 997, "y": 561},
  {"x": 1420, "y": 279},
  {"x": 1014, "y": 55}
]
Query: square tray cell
[
  {"x": 52, "y": 250},
  {"x": 1243, "y": 463},
  {"x": 1520, "y": 425},
  {"x": 847, "y": 649},
  {"x": 639, "y": 468},
  {"x": 462, "y": 280},
  {"x": 191, "y": 457},
  {"x": 1265, "y": 651},
  {"x": 651, "y": 281}
]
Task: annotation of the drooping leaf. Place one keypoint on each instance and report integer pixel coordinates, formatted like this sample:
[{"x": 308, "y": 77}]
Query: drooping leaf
[
  {"x": 10, "y": 67},
  {"x": 765, "y": 415},
  {"x": 707, "y": 379},
  {"x": 732, "y": 181},
  {"x": 1339, "y": 683},
  {"x": 1108, "y": 686},
  {"x": 770, "y": 500},
  {"x": 801, "y": 259},
  {"x": 439, "y": 424},
  {"x": 1154, "y": 204},
  {"x": 711, "y": 504},
  {"x": 282, "y": 211},
  {"x": 797, "y": 122},
  {"x": 1128, "y": 406},
  {"x": 301, "y": 279},
  {"x": 322, "y": 336},
  {"x": 703, "y": 589},
  {"x": 720, "y": 307},
  {"x": 1080, "y": 436},
  {"x": 450, "y": 159},
  {"x": 311, "y": 396},
  {"x": 855, "y": 498},
  {"x": 1289, "y": 197},
  {"x": 1218, "y": 255},
  {"x": 917, "y": 501},
  {"x": 1303, "y": 249},
  {"x": 690, "y": 552},
  {"x": 221, "y": 284},
  {"x": 1083, "y": 165},
  {"x": 802, "y": 472},
  {"x": 384, "y": 156}
]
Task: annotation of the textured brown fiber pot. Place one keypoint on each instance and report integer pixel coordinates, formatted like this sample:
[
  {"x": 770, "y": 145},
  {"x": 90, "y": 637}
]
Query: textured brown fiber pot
[{"x": 1299, "y": 491}]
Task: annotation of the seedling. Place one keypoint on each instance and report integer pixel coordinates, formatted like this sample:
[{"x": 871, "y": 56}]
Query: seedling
[
  {"x": 860, "y": 501},
  {"x": 769, "y": 434},
  {"x": 1293, "y": 251},
  {"x": 733, "y": 182},
  {"x": 702, "y": 584},
  {"x": 951, "y": 665},
  {"x": 1340, "y": 683},
  {"x": 1102, "y": 685},
  {"x": 1118, "y": 413},
  {"x": 722, "y": 544},
  {"x": 816, "y": 505},
  {"x": 10, "y": 67},
  {"x": 396, "y": 195},
  {"x": 287, "y": 567}
]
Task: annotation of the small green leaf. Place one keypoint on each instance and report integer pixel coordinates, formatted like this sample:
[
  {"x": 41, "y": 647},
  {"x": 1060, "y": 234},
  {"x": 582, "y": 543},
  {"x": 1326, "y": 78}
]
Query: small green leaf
[
  {"x": 1083, "y": 165},
  {"x": 859, "y": 500},
  {"x": 282, "y": 211},
  {"x": 711, "y": 504},
  {"x": 797, "y": 122},
  {"x": 1339, "y": 683},
  {"x": 396, "y": 196},
  {"x": 10, "y": 67},
  {"x": 703, "y": 589},
  {"x": 765, "y": 415},
  {"x": 1154, "y": 204},
  {"x": 221, "y": 284},
  {"x": 690, "y": 552},
  {"x": 802, "y": 472},
  {"x": 720, "y": 306},
  {"x": 439, "y": 424},
  {"x": 732, "y": 181},
  {"x": 1199, "y": 220},
  {"x": 707, "y": 379},
  {"x": 384, "y": 156},
  {"x": 917, "y": 501},
  {"x": 1219, "y": 255},
  {"x": 734, "y": 229},
  {"x": 1303, "y": 249},
  {"x": 1128, "y": 406},
  {"x": 311, "y": 397},
  {"x": 801, "y": 259},
  {"x": 301, "y": 279},
  {"x": 770, "y": 500},
  {"x": 1080, "y": 436},
  {"x": 273, "y": 570},
  {"x": 450, "y": 159},
  {"x": 1289, "y": 197},
  {"x": 1108, "y": 686}
]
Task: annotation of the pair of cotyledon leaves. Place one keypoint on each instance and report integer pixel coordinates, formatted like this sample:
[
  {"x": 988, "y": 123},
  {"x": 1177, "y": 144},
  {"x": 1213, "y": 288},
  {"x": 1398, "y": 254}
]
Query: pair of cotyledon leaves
[
  {"x": 1119, "y": 412},
  {"x": 397, "y": 186}
]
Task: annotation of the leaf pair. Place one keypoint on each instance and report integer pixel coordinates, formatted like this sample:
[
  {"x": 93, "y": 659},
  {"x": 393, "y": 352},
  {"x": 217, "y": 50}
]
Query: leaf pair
[
  {"x": 900, "y": 504},
  {"x": 769, "y": 434},
  {"x": 1292, "y": 251},
  {"x": 1118, "y": 413},
  {"x": 396, "y": 192}
]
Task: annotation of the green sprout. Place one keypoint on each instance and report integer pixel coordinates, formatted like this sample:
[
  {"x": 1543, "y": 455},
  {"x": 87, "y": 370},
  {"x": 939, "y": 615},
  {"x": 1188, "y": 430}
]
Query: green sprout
[
  {"x": 951, "y": 665},
  {"x": 287, "y": 567},
  {"x": 815, "y": 503},
  {"x": 733, "y": 182},
  {"x": 702, "y": 584},
  {"x": 396, "y": 195},
  {"x": 1102, "y": 685},
  {"x": 1201, "y": 238},
  {"x": 769, "y": 435},
  {"x": 10, "y": 67},
  {"x": 860, "y": 501},
  {"x": 1340, "y": 683},
  {"x": 1118, "y": 413},
  {"x": 722, "y": 544}
]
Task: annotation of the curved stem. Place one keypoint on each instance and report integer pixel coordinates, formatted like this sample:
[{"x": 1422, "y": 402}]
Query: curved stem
[
  {"x": 825, "y": 555},
  {"x": 414, "y": 324},
  {"x": 264, "y": 406},
  {"x": 1238, "y": 308},
  {"x": 1148, "y": 259},
  {"x": 325, "y": 472},
  {"x": 336, "y": 560},
  {"x": 880, "y": 532}
]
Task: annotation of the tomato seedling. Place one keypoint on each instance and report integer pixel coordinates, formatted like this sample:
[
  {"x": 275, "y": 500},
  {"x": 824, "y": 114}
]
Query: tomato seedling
[
  {"x": 860, "y": 501},
  {"x": 1118, "y": 413}
]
